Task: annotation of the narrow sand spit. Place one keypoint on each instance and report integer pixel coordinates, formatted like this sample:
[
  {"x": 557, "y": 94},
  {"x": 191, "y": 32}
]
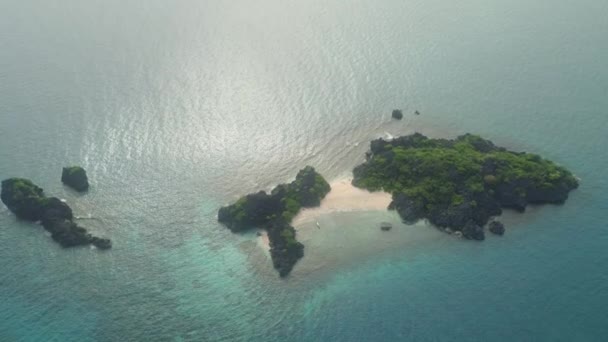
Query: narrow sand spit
[{"x": 343, "y": 197}]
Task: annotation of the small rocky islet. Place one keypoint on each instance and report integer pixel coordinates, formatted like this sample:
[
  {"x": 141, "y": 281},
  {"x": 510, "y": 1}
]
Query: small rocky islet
[
  {"x": 28, "y": 202},
  {"x": 274, "y": 212},
  {"x": 76, "y": 178},
  {"x": 458, "y": 185},
  {"x": 397, "y": 114}
]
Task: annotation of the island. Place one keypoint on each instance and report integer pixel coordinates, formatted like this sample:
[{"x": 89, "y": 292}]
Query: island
[
  {"x": 397, "y": 114},
  {"x": 459, "y": 185},
  {"x": 274, "y": 212},
  {"x": 75, "y": 177},
  {"x": 28, "y": 202}
]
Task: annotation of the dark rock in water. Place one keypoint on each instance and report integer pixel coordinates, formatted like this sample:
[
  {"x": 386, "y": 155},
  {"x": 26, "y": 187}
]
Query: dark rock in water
[
  {"x": 28, "y": 202},
  {"x": 496, "y": 227},
  {"x": 397, "y": 114},
  {"x": 473, "y": 231},
  {"x": 75, "y": 177},
  {"x": 408, "y": 209},
  {"x": 67, "y": 233},
  {"x": 385, "y": 226},
  {"x": 274, "y": 211},
  {"x": 55, "y": 209},
  {"x": 101, "y": 243}
]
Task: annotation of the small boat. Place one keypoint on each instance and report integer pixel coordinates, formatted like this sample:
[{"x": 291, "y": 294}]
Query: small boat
[
  {"x": 417, "y": 112},
  {"x": 318, "y": 225}
]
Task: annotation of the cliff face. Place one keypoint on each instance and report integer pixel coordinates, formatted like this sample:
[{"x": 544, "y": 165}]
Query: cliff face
[
  {"x": 460, "y": 184},
  {"x": 28, "y": 202},
  {"x": 274, "y": 211}
]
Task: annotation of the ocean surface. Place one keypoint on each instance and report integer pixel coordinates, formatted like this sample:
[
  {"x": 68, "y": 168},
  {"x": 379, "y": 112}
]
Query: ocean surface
[{"x": 176, "y": 108}]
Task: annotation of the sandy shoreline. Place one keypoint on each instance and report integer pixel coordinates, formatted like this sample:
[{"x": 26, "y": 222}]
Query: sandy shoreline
[
  {"x": 343, "y": 197},
  {"x": 263, "y": 240}
]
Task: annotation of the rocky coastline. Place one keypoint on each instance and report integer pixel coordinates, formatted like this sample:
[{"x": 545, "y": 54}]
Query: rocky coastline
[
  {"x": 274, "y": 212},
  {"x": 28, "y": 202},
  {"x": 459, "y": 185}
]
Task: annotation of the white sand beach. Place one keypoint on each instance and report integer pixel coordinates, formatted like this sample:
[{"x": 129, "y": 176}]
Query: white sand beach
[
  {"x": 343, "y": 197},
  {"x": 348, "y": 232}
]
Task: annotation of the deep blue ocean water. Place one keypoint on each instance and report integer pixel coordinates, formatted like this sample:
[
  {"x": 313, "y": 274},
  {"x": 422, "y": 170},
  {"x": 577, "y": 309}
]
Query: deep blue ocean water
[{"x": 178, "y": 107}]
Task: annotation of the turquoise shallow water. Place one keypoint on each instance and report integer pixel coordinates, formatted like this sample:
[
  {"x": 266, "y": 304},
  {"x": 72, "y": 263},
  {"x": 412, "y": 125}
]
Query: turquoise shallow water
[{"x": 176, "y": 108}]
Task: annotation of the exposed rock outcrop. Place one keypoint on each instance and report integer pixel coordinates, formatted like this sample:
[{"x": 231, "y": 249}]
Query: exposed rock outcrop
[
  {"x": 28, "y": 202},
  {"x": 473, "y": 231},
  {"x": 75, "y": 177},
  {"x": 496, "y": 227},
  {"x": 274, "y": 211},
  {"x": 397, "y": 114},
  {"x": 385, "y": 226}
]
